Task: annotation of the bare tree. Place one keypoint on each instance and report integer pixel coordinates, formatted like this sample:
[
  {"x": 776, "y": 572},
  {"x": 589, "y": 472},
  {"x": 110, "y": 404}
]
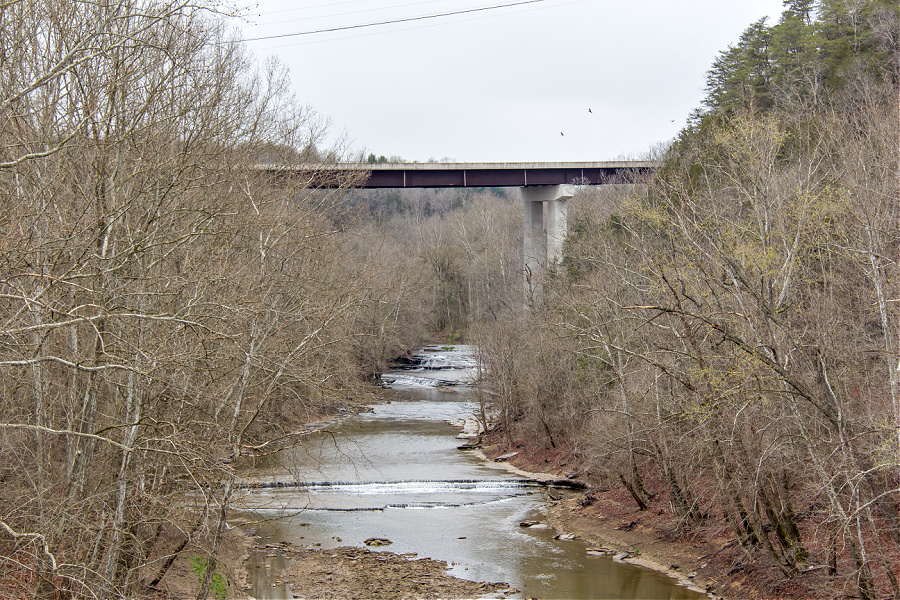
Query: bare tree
[
  {"x": 162, "y": 301},
  {"x": 736, "y": 332}
]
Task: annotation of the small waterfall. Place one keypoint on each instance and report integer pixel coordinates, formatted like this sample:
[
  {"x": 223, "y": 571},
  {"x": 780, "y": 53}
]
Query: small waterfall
[{"x": 433, "y": 367}]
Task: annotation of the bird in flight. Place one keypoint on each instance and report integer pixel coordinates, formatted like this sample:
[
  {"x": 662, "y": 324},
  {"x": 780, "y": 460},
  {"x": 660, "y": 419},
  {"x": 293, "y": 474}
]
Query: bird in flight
[
  {"x": 561, "y": 133},
  {"x": 590, "y": 111}
]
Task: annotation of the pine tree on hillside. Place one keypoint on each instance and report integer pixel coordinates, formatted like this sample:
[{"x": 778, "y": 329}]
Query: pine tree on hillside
[
  {"x": 741, "y": 76},
  {"x": 814, "y": 51}
]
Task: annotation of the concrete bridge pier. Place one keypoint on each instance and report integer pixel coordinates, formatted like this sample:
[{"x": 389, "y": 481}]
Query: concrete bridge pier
[{"x": 543, "y": 249}]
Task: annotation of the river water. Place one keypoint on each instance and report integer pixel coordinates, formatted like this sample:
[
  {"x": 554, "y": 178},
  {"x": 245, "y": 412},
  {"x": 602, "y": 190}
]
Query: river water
[{"x": 396, "y": 473}]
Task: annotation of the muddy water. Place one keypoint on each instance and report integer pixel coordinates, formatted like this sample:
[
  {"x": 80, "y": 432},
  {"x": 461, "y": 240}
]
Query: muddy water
[{"x": 396, "y": 473}]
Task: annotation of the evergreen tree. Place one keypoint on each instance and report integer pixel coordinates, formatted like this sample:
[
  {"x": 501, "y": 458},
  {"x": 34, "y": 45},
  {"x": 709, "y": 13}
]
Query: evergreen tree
[
  {"x": 816, "y": 49},
  {"x": 741, "y": 77}
]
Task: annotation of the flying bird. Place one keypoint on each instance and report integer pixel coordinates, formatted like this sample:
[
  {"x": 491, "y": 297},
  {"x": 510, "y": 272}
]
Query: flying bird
[
  {"x": 590, "y": 111},
  {"x": 561, "y": 133}
]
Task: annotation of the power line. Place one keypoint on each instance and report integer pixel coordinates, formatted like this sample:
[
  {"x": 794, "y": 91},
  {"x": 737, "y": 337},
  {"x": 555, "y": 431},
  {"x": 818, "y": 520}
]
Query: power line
[
  {"x": 341, "y": 14},
  {"x": 406, "y": 20},
  {"x": 357, "y": 36}
]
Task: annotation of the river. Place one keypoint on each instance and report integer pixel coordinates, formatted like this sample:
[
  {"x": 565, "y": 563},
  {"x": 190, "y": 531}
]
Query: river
[{"x": 396, "y": 473}]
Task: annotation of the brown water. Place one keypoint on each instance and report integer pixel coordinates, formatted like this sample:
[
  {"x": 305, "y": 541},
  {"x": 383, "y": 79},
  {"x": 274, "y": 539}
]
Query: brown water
[{"x": 396, "y": 473}]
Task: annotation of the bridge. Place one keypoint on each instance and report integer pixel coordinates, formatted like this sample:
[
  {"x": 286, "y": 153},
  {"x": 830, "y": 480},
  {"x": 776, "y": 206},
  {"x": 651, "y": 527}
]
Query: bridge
[
  {"x": 450, "y": 175},
  {"x": 540, "y": 183}
]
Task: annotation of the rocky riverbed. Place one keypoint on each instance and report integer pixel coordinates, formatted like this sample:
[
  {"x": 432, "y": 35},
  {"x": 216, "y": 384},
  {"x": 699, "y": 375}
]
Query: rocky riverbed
[{"x": 350, "y": 573}]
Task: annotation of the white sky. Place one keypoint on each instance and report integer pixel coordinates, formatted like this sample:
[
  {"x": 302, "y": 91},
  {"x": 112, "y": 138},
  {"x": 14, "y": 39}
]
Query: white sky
[{"x": 501, "y": 85}]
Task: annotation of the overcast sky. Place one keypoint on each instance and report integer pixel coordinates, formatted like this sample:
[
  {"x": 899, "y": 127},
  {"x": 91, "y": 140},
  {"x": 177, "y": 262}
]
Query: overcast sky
[{"x": 510, "y": 84}]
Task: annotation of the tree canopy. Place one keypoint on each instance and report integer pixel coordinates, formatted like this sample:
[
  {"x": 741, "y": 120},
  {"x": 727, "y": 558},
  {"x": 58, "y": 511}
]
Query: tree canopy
[{"x": 811, "y": 53}]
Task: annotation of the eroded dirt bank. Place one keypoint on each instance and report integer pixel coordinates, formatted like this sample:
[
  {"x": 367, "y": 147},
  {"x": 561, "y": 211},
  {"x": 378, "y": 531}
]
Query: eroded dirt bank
[
  {"x": 606, "y": 524},
  {"x": 705, "y": 558}
]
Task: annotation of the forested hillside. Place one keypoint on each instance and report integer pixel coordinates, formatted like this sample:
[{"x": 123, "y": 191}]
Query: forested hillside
[
  {"x": 724, "y": 342},
  {"x": 166, "y": 309}
]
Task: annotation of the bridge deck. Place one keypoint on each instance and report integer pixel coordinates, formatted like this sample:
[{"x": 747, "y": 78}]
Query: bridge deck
[{"x": 433, "y": 175}]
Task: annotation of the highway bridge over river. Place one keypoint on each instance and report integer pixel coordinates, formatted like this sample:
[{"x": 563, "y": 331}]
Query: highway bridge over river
[{"x": 542, "y": 183}]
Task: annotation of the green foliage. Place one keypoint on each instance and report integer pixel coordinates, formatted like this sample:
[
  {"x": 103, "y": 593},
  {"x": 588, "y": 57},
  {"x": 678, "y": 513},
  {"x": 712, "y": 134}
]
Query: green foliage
[
  {"x": 813, "y": 52},
  {"x": 741, "y": 77},
  {"x": 217, "y": 585}
]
